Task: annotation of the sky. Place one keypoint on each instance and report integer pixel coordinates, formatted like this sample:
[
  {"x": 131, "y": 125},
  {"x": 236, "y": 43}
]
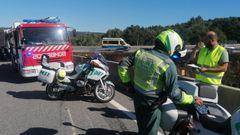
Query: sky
[{"x": 102, "y": 15}]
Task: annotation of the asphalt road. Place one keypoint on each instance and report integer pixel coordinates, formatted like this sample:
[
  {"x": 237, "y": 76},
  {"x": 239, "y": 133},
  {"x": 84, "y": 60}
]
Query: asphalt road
[{"x": 25, "y": 110}]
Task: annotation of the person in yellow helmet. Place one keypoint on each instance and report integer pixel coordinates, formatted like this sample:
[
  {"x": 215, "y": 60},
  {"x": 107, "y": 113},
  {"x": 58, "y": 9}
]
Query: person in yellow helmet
[
  {"x": 213, "y": 60},
  {"x": 155, "y": 79}
]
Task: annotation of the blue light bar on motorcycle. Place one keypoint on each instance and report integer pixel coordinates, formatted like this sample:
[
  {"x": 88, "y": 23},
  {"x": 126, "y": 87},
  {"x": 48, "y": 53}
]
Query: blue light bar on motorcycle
[{"x": 45, "y": 20}]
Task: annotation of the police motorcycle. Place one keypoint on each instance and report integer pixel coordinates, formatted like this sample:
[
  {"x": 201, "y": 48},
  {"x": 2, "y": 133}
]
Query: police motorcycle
[
  {"x": 207, "y": 119},
  {"x": 90, "y": 77}
]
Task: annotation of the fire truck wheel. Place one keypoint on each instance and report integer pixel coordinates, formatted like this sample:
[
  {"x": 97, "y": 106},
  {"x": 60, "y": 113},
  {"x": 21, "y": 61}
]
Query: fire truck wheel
[{"x": 14, "y": 66}]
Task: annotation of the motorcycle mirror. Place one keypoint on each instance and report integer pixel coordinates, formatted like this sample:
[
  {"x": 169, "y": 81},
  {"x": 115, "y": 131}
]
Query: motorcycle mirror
[{"x": 44, "y": 59}]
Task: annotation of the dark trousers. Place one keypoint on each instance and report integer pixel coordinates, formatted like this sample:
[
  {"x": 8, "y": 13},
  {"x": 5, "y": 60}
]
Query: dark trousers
[{"x": 148, "y": 120}]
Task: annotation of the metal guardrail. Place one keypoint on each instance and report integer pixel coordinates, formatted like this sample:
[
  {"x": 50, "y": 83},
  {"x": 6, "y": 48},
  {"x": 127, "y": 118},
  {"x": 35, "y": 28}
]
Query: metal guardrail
[
  {"x": 229, "y": 97},
  {"x": 232, "y": 48}
]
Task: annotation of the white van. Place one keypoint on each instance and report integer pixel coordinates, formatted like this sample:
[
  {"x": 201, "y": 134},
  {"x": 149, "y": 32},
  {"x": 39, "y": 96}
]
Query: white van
[{"x": 114, "y": 43}]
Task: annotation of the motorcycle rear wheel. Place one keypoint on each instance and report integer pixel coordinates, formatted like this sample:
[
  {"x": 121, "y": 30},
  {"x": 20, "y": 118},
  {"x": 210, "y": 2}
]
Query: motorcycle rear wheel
[{"x": 104, "y": 96}]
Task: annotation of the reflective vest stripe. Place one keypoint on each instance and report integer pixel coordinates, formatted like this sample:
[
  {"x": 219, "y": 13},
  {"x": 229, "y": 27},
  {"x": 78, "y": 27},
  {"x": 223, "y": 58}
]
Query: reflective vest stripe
[
  {"x": 124, "y": 74},
  {"x": 209, "y": 75},
  {"x": 186, "y": 99}
]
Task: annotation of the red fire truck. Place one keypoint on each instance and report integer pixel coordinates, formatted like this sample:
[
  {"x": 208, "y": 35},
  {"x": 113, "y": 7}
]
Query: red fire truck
[{"x": 32, "y": 38}]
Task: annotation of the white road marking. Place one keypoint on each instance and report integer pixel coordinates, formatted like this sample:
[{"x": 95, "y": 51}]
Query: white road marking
[
  {"x": 71, "y": 120},
  {"x": 126, "y": 111},
  {"x": 123, "y": 109},
  {"x": 115, "y": 104}
]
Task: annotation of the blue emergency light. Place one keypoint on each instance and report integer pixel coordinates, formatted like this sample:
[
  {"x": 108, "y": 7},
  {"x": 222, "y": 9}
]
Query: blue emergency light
[
  {"x": 29, "y": 53},
  {"x": 176, "y": 56},
  {"x": 45, "y": 20}
]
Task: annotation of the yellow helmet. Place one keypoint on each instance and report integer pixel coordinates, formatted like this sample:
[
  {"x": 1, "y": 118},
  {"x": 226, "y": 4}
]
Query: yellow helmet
[
  {"x": 61, "y": 74},
  {"x": 171, "y": 42}
]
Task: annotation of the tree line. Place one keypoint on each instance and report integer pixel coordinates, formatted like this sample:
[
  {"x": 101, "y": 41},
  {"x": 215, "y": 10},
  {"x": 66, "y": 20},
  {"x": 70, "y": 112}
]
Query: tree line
[{"x": 228, "y": 30}]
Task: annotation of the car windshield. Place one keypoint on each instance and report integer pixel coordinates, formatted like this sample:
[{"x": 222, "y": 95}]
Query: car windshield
[{"x": 45, "y": 35}]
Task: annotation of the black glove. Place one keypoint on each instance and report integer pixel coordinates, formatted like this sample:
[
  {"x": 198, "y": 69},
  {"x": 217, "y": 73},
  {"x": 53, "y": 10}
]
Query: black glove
[{"x": 129, "y": 87}]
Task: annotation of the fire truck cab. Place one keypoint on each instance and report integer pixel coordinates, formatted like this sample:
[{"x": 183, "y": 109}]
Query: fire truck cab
[{"x": 32, "y": 38}]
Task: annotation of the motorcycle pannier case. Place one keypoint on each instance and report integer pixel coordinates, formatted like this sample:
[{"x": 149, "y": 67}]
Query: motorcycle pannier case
[{"x": 46, "y": 76}]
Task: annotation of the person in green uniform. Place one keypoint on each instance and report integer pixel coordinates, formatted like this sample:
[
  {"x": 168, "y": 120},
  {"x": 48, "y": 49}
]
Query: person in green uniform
[
  {"x": 213, "y": 60},
  {"x": 155, "y": 79}
]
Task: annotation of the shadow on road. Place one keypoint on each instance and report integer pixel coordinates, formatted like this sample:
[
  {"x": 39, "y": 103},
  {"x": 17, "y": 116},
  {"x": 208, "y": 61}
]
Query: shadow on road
[
  {"x": 29, "y": 94},
  {"x": 37, "y": 94},
  {"x": 8, "y": 75},
  {"x": 76, "y": 97},
  {"x": 111, "y": 113},
  {"x": 39, "y": 131},
  {"x": 99, "y": 131}
]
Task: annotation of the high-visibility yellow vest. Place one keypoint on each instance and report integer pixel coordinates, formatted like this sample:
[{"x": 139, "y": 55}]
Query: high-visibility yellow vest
[
  {"x": 148, "y": 68},
  {"x": 207, "y": 58}
]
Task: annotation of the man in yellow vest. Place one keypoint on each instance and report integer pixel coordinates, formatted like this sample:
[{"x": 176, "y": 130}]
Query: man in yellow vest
[
  {"x": 155, "y": 79},
  {"x": 213, "y": 60}
]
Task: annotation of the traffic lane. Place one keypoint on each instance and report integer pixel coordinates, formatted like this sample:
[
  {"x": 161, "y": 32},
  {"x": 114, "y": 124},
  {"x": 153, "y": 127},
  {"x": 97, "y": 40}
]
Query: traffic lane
[
  {"x": 102, "y": 118},
  {"x": 26, "y": 110},
  {"x": 114, "y": 117}
]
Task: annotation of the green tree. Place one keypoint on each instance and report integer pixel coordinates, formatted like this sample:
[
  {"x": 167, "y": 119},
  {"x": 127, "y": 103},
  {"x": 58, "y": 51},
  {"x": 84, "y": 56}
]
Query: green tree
[
  {"x": 228, "y": 30},
  {"x": 114, "y": 33},
  {"x": 134, "y": 35},
  {"x": 197, "y": 29}
]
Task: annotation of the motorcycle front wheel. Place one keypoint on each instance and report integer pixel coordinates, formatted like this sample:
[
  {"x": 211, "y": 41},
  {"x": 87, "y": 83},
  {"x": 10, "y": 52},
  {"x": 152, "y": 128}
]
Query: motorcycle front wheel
[
  {"x": 102, "y": 95},
  {"x": 53, "y": 92}
]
